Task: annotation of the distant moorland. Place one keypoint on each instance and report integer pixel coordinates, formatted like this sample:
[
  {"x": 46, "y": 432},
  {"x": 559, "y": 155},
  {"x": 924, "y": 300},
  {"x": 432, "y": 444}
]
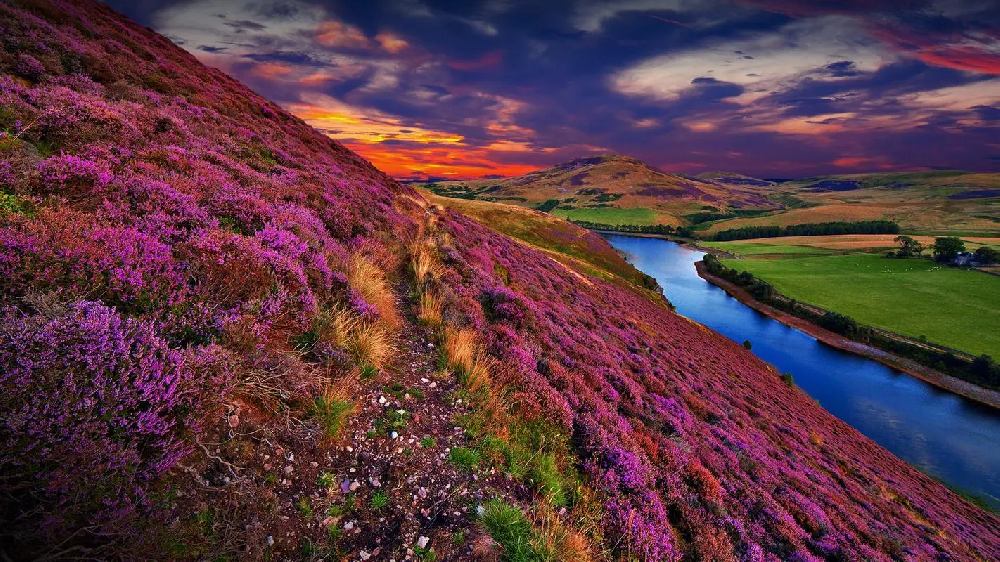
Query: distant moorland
[{"x": 618, "y": 190}]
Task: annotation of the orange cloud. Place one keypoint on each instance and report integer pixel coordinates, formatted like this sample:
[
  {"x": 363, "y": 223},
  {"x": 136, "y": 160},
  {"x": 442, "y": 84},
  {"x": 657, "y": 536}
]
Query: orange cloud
[
  {"x": 962, "y": 58},
  {"x": 336, "y": 34},
  {"x": 861, "y": 162},
  {"x": 436, "y": 161},
  {"x": 959, "y": 52},
  {"x": 316, "y": 79},
  {"x": 392, "y": 43},
  {"x": 271, "y": 70}
]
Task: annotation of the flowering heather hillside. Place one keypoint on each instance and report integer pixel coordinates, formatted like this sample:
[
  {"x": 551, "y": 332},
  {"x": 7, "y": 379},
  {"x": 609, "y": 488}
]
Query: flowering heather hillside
[{"x": 218, "y": 328}]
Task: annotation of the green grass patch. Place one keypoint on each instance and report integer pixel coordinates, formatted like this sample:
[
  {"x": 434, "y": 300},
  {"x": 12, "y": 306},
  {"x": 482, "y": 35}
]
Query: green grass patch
[
  {"x": 758, "y": 249},
  {"x": 379, "y": 500},
  {"x": 914, "y": 297},
  {"x": 12, "y": 205},
  {"x": 507, "y": 524},
  {"x": 393, "y": 420},
  {"x": 331, "y": 413},
  {"x": 610, "y": 215},
  {"x": 464, "y": 458}
]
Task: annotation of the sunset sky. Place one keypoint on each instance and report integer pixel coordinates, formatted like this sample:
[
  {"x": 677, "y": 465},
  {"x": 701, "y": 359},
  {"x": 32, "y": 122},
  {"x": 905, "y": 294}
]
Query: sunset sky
[{"x": 771, "y": 88}]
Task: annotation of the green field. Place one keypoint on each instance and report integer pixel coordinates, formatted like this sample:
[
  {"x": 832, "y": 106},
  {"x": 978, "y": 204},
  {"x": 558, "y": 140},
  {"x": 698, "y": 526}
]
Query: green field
[
  {"x": 609, "y": 215},
  {"x": 914, "y": 297},
  {"x": 755, "y": 249}
]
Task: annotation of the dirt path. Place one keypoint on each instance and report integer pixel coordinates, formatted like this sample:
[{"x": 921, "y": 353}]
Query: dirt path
[{"x": 394, "y": 466}]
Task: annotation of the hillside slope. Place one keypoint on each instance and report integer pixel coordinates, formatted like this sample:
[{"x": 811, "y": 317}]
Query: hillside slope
[
  {"x": 604, "y": 185},
  {"x": 224, "y": 336}
]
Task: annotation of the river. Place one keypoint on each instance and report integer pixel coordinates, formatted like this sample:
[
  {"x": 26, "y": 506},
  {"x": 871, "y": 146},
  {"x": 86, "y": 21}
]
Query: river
[{"x": 947, "y": 436}]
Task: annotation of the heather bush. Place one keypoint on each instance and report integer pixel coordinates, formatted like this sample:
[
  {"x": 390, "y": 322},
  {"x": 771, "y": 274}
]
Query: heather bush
[
  {"x": 29, "y": 67},
  {"x": 96, "y": 407}
]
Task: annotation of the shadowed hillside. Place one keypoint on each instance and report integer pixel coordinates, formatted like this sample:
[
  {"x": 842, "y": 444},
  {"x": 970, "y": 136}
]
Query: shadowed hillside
[{"x": 224, "y": 336}]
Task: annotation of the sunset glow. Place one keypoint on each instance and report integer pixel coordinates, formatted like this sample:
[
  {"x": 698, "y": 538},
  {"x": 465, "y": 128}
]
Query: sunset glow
[{"x": 428, "y": 90}]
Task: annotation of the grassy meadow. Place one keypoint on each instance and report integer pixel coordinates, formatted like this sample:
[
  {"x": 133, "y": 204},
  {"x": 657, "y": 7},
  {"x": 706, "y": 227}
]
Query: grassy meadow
[
  {"x": 610, "y": 215},
  {"x": 914, "y": 297},
  {"x": 831, "y": 245},
  {"x": 573, "y": 246}
]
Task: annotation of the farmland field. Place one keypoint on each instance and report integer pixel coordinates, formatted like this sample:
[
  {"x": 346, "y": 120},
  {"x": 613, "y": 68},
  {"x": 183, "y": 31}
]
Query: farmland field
[
  {"x": 610, "y": 215},
  {"x": 771, "y": 246},
  {"x": 841, "y": 243},
  {"x": 913, "y": 297}
]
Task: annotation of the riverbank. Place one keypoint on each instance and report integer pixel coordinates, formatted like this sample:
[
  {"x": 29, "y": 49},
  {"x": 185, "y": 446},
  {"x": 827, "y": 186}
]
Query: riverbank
[
  {"x": 685, "y": 242},
  {"x": 910, "y": 367}
]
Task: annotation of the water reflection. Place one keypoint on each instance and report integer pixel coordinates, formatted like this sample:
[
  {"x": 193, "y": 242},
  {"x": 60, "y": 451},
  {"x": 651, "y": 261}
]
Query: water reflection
[{"x": 949, "y": 437}]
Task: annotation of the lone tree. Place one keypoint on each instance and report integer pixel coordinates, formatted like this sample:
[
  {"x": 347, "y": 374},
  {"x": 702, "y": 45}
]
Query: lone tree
[
  {"x": 947, "y": 248},
  {"x": 908, "y": 247},
  {"x": 986, "y": 255}
]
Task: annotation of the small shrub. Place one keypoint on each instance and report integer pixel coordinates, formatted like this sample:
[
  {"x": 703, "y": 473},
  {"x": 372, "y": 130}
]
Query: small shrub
[
  {"x": 788, "y": 380},
  {"x": 394, "y": 420},
  {"x": 428, "y": 442},
  {"x": 379, "y": 500},
  {"x": 466, "y": 459},
  {"x": 326, "y": 479},
  {"x": 12, "y": 204},
  {"x": 747, "y": 344},
  {"x": 304, "y": 506},
  {"x": 330, "y": 410}
]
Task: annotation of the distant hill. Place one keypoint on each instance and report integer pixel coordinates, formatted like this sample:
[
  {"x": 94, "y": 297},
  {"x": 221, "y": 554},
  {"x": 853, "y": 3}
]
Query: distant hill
[
  {"x": 733, "y": 178},
  {"x": 621, "y": 190},
  {"x": 615, "y": 186}
]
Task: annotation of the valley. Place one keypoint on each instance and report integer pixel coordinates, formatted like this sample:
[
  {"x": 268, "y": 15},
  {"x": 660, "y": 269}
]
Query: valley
[{"x": 225, "y": 335}]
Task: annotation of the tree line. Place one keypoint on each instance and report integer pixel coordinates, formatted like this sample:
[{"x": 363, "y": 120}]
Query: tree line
[
  {"x": 945, "y": 249},
  {"x": 663, "y": 229},
  {"x": 982, "y": 370},
  {"x": 808, "y": 229}
]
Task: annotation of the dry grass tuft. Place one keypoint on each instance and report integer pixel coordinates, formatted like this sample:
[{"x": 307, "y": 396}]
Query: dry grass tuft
[
  {"x": 478, "y": 376},
  {"x": 430, "y": 310},
  {"x": 557, "y": 539},
  {"x": 460, "y": 349},
  {"x": 371, "y": 344},
  {"x": 424, "y": 265},
  {"x": 370, "y": 281}
]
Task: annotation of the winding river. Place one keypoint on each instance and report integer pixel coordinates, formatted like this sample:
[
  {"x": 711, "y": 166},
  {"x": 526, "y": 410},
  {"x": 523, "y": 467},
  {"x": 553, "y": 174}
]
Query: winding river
[{"x": 947, "y": 436}]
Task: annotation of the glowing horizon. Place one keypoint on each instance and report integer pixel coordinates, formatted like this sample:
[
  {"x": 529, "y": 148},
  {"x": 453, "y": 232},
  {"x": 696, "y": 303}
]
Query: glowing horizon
[{"x": 762, "y": 87}]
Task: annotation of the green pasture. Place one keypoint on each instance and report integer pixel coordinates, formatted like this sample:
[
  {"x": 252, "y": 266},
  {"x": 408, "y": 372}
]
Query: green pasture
[
  {"x": 759, "y": 249},
  {"x": 609, "y": 215},
  {"x": 915, "y": 297}
]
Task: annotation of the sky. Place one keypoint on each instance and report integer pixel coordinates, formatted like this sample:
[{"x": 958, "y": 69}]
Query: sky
[{"x": 482, "y": 88}]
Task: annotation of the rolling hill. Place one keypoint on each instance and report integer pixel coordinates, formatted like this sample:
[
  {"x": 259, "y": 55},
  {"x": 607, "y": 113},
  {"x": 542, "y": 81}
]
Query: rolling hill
[
  {"x": 225, "y": 336},
  {"x": 613, "y": 188},
  {"x": 619, "y": 190}
]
